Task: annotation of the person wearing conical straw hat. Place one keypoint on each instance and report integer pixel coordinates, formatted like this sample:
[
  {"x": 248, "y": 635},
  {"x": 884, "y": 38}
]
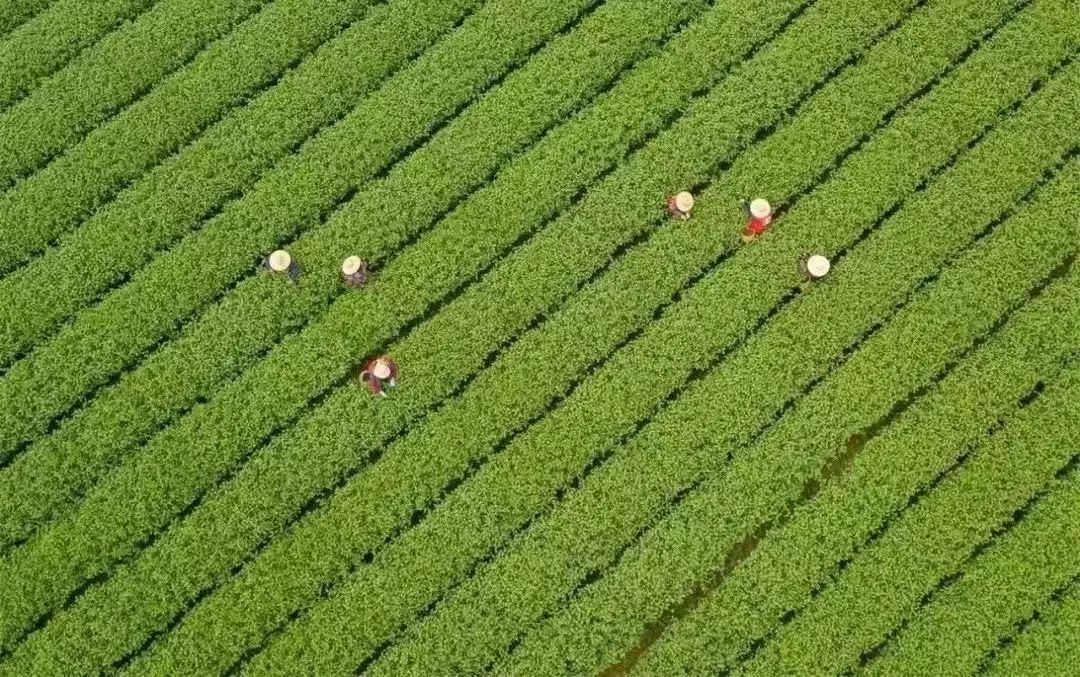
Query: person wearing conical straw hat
[
  {"x": 814, "y": 266},
  {"x": 379, "y": 375},
  {"x": 759, "y": 215},
  {"x": 282, "y": 262},
  {"x": 680, "y": 205},
  {"x": 354, "y": 272}
]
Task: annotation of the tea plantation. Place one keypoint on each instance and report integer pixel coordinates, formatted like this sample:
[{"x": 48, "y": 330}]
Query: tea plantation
[{"x": 624, "y": 437}]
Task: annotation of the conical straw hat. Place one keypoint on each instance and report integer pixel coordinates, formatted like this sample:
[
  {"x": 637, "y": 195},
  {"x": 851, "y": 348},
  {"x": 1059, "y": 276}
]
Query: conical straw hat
[
  {"x": 381, "y": 369},
  {"x": 818, "y": 266},
  {"x": 759, "y": 208},
  {"x": 280, "y": 261},
  {"x": 351, "y": 265},
  {"x": 684, "y": 201}
]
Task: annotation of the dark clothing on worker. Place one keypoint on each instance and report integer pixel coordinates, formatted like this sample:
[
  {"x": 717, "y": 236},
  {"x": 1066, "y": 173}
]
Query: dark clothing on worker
[
  {"x": 293, "y": 270},
  {"x": 357, "y": 279}
]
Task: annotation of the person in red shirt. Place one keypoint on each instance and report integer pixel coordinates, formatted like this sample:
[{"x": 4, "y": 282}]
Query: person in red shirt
[
  {"x": 760, "y": 215},
  {"x": 379, "y": 375},
  {"x": 680, "y": 205}
]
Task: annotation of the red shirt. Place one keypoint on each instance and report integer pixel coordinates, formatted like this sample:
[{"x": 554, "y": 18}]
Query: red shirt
[
  {"x": 373, "y": 384},
  {"x": 758, "y": 226}
]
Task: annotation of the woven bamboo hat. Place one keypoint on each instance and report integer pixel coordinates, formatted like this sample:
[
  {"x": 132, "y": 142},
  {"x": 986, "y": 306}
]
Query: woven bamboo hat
[
  {"x": 818, "y": 266},
  {"x": 351, "y": 265},
  {"x": 684, "y": 201},
  {"x": 280, "y": 261},
  {"x": 381, "y": 370},
  {"x": 759, "y": 208}
]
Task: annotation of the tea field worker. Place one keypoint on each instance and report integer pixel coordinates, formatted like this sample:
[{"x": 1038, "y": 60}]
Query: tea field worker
[
  {"x": 282, "y": 262},
  {"x": 680, "y": 205},
  {"x": 759, "y": 216},
  {"x": 379, "y": 374},
  {"x": 354, "y": 272},
  {"x": 815, "y": 266}
]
